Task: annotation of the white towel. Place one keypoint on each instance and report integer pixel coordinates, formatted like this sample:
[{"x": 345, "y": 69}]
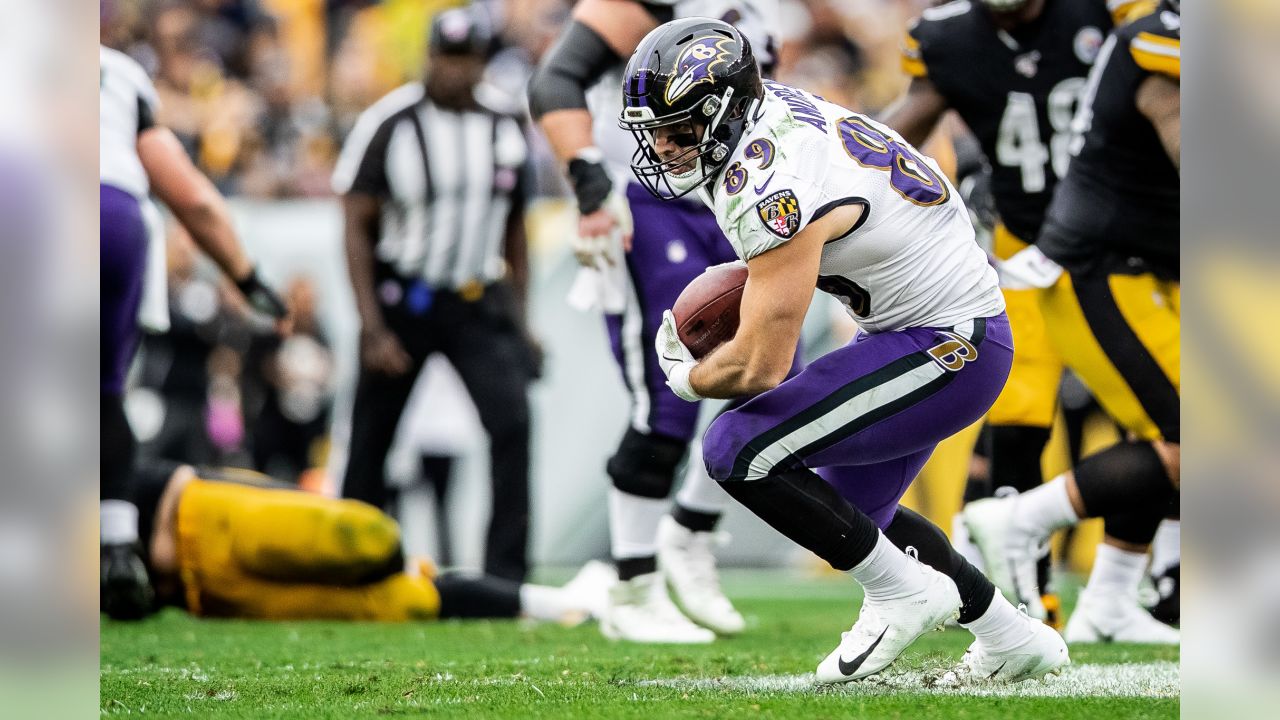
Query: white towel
[
  {"x": 603, "y": 286},
  {"x": 153, "y": 310}
]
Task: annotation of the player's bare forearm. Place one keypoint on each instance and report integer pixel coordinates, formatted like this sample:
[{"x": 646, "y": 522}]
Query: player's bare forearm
[
  {"x": 915, "y": 115},
  {"x": 360, "y": 213},
  {"x": 568, "y": 132},
  {"x": 622, "y": 23},
  {"x": 193, "y": 199},
  {"x": 516, "y": 252},
  {"x": 756, "y": 360},
  {"x": 780, "y": 286},
  {"x": 1160, "y": 100},
  {"x": 602, "y": 33}
]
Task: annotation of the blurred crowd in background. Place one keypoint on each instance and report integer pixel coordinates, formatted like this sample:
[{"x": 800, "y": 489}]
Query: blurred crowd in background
[{"x": 262, "y": 94}]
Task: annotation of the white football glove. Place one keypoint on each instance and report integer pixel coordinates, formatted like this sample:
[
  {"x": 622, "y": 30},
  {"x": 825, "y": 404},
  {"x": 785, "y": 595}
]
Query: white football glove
[
  {"x": 1027, "y": 269},
  {"x": 676, "y": 360},
  {"x": 603, "y": 251}
]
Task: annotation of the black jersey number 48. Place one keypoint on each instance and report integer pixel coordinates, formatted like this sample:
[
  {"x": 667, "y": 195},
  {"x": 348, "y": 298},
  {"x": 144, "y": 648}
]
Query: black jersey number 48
[{"x": 1020, "y": 143}]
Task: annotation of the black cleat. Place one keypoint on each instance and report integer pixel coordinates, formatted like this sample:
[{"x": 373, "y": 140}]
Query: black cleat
[
  {"x": 1168, "y": 585},
  {"x": 126, "y": 588}
]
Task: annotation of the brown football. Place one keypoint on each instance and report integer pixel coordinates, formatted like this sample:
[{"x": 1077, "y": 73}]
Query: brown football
[{"x": 707, "y": 310}]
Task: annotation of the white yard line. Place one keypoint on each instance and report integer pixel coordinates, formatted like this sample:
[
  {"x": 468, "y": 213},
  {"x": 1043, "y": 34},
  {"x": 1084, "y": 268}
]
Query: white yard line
[{"x": 1154, "y": 679}]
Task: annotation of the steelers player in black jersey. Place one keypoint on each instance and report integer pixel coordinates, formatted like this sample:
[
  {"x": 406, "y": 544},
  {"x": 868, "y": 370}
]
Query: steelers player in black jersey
[
  {"x": 1014, "y": 71},
  {"x": 1114, "y": 315}
]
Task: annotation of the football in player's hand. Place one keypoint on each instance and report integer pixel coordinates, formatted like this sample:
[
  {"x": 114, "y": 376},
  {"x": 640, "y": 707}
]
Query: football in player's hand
[{"x": 707, "y": 310}]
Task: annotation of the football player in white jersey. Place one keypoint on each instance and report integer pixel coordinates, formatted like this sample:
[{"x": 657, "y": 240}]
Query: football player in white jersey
[
  {"x": 136, "y": 156},
  {"x": 813, "y": 195},
  {"x": 575, "y": 95}
]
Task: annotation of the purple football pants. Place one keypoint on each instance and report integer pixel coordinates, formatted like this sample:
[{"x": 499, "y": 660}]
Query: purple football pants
[
  {"x": 123, "y": 258},
  {"x": 867, "y": 416},
  {"x": 674, "y": 241}
]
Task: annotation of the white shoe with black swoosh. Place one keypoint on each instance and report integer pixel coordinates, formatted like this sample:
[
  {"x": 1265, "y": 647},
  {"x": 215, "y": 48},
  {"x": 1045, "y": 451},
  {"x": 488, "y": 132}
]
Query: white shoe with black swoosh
[
  {"x": 885, "y": 628},
  {"x": 1038, "y": 652}
]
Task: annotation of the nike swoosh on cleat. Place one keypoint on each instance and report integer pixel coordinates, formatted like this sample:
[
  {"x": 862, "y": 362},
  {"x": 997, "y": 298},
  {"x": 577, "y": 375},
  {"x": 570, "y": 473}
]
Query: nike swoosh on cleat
[
  {"x": 760, "y": 188},
  {"x": 849, "y": 668},
  {"x": 997, "y": 672}
]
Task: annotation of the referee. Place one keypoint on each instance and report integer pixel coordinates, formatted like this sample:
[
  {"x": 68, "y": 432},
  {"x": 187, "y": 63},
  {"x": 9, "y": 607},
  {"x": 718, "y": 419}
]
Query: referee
[{"x": 431, "y": 186}]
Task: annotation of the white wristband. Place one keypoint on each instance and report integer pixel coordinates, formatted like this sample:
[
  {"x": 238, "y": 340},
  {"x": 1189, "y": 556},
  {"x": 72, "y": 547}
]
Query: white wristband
[
  {"x": 591, "y": 154},
  {"x": 678, "y": 381}
]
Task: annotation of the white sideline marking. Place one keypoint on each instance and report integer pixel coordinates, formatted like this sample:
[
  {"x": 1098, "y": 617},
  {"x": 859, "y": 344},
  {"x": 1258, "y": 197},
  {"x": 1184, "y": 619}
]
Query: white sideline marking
[{"x": 1154, "y": 679}]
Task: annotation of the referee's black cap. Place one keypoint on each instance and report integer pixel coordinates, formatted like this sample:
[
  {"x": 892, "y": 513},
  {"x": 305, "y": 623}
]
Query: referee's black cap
[{"x": 462, "y": 31}]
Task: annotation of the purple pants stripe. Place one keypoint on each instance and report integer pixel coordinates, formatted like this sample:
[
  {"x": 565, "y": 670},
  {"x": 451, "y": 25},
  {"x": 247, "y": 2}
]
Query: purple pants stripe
[
  {"x": 123, "y": 257},
  {"x": 867, "y": 416}
]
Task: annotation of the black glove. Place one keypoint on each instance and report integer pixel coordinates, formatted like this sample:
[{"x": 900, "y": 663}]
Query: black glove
[
  {"x": 591, "y": 184},
  {"x": 262, "y": 298}
]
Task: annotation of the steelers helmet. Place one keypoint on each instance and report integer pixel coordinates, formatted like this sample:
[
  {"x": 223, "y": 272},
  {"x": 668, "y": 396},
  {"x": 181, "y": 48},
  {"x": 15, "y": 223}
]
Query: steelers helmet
[{"x": 695, "y": 70}]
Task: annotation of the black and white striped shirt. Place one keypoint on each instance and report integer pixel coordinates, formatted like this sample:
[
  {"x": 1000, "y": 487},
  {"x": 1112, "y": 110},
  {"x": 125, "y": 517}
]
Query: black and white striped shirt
[{"x": 448, "y": 181}]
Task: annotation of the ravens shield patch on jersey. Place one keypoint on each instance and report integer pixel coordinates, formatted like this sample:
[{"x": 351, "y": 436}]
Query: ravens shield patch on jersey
[{"x": 780, "y": 213}]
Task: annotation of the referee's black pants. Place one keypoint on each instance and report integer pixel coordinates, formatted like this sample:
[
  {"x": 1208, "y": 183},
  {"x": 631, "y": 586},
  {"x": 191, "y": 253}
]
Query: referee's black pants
[{"x": 483, "y": 343}]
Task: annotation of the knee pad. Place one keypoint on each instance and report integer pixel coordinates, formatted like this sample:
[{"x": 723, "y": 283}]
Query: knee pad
[
  {"x": 1137, "y": 527},
  {"x": 1122, "y": 479},
  {"x": 645, "y": 465}
]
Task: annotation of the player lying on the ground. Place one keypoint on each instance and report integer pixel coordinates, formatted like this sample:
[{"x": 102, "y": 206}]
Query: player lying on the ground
[
  {"x": 224, "y": 542},
  {"x": 812, "y": 194}
]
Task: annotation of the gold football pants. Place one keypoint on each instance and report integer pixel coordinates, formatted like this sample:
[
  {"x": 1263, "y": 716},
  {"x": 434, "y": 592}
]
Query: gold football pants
[
  {"x": 1122, "y": 335},
  {"x": 278, "y": 554},
  {"x": 1030, "y": 396}
]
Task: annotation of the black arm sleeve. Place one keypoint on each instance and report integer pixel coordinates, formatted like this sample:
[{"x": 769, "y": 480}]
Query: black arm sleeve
[{"x": 576, "y": 61}]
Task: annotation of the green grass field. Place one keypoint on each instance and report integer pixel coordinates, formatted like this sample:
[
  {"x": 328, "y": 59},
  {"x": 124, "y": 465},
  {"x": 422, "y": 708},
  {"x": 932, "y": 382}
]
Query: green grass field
[{"x": 175, "y": 665}]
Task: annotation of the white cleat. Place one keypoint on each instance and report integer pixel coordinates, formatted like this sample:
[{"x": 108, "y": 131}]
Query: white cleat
[
  {"x": 590, "y": 587},
  {"x": 1010, "y": 555},
  {"x": 1116, "y": 618},
  {"x": 885, "y": 629},
  {"x": 686, "y": 559},
  {"x": 1039, "y": 652},
  {"x": 640, "y": 611}
]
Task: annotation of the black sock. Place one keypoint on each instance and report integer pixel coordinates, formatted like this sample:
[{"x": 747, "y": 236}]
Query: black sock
[
  {"x": 633, "y": 567},
  {"x": 802, "y": 506},
  {"x": 1124, "y": 478},
  {"x": 477, "y": 597},
  {"x": 117, "y": 452},
  {"x": 910, "y": 529},
  {"x": 694, "y": 520},
  {"x": 1015, "y": 456}
]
